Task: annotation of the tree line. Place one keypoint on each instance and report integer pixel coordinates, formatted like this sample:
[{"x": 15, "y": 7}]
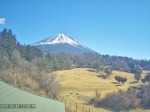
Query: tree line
[
  {"x": 94, "y": 60},
  {"x": 27, "y": 67}
]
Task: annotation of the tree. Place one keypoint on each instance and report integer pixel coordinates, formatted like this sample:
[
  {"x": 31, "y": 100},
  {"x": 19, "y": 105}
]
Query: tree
[
  {"x": 117, "y": 78},
  {"x": 143, "y": 80},
  {"x": 123, "y": 80},
  {"x": 44, "y": 64},
  {"x": 51, "y": 84},
  {"x": 146, "y": 78},
  {"x": 7, "y": 42},
  {"x": 137, "y": 72},
  {"x": 31, "y": 52},
  {"x": 97, "y": 66},
  {"x": 5, "y": 63},
  {"x": 120, "y": 79},
  {"x": 7, "y": 47},
  {"x": 108, "y": 72},
  {"x": 137, "y": 77}
]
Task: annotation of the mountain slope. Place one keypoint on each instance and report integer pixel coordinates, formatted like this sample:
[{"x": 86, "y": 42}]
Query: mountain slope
[{"x": 62, "y": 43}]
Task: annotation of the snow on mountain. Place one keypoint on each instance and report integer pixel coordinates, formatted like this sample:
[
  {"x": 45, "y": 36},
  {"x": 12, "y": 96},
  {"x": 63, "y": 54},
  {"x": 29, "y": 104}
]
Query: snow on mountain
[
  {"x": 62, "y": 43},
  {"x": 59, "y": 38}
]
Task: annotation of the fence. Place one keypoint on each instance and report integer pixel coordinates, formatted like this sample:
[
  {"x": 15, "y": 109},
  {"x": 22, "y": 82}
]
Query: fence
[{"x": 71, "y": 105}]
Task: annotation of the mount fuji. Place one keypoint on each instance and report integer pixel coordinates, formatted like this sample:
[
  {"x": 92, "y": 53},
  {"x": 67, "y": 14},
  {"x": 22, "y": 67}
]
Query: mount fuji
[{"x": 62, "y": 43}]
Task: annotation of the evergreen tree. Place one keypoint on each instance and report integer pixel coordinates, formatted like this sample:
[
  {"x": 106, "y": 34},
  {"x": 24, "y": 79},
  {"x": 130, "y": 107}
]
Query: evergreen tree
[
  {"x": 44, "y": 64},
  {"x": 8, "y": 42}
]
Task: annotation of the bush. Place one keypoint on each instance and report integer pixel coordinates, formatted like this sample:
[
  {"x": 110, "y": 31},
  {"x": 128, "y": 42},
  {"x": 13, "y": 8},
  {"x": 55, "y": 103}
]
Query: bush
[
  {"x": 108, "y": 72},
  {"x": 143, "y": 80},
  {"x": 146, "y": 78},
  {"x": 119, "y": 102},
  {"x": 94, "y": 99},
  {"x": 137, "y": 77},
  {"x": 145, "y": 96},
  {"x": 134, "y": 97},
  {"x": 120, "y": 79}
]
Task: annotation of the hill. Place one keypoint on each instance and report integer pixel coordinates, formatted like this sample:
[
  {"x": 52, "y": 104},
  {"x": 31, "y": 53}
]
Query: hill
[
  {"x": 80, "y": 84},
  {"x": 85, "y": 82}
]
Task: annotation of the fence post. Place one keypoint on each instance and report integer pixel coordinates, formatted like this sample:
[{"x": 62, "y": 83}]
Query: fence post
[
  {"x": 60, "y": 97},
  {"x": 76, "y": 107},
  {"x": 70, "y": 106},
  {"x": 83, "y": 108},
  {"x": 66, "y": 102},
  {"x": 89, "y": 109}
]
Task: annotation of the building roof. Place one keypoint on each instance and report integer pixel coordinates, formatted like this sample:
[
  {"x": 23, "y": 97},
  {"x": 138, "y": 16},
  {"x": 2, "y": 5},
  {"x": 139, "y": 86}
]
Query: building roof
[{"x": 20, "y": 101}]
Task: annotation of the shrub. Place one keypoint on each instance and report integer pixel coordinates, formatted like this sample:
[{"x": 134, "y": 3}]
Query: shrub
[
  {"x": 120, "y": 79},
  {"x": 145, "y": 96},
  {"x": 119, "y": 102},
  {"x": 137, "y": 77},
  {"x": 95, "y": 98},
  {"x": 146, "y": 78},
  {"x": 143, "y": 80}
]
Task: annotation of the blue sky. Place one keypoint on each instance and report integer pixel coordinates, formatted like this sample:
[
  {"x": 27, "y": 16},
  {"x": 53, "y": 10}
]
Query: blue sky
[{"x": 114, "y": 27}]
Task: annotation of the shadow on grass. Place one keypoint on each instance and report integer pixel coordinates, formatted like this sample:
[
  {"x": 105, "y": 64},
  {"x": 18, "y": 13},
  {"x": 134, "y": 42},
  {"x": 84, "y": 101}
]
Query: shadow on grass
[
  {"x": 134, "y": 82},
  {"x": 116, "y": 83},
  {"x": 101, "y": 76}
]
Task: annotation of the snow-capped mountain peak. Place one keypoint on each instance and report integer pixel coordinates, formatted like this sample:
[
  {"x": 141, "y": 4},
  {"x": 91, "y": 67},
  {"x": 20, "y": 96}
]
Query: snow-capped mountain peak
[
  {"x": 59, "y": 38},
  {"x": 62, "y": 43}
]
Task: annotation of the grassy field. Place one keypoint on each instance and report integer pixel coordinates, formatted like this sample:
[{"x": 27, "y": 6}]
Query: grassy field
[{"x": 84, "y": 82}]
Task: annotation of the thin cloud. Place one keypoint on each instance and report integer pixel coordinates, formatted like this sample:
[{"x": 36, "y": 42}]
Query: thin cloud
[{"x": 2, "y": 21}]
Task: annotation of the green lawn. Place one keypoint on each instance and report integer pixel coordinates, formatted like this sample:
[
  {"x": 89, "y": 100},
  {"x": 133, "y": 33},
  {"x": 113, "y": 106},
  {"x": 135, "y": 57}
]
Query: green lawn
[{"x": 12, "y": 95}]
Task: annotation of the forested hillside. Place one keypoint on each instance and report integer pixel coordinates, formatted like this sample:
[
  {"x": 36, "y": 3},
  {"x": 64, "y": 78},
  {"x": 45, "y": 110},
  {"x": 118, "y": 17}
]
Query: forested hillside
[{"x": 115, "y": 62}]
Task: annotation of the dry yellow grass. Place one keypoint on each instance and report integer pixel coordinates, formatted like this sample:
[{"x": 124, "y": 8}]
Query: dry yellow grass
[{"x": 84, "y": 82}]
